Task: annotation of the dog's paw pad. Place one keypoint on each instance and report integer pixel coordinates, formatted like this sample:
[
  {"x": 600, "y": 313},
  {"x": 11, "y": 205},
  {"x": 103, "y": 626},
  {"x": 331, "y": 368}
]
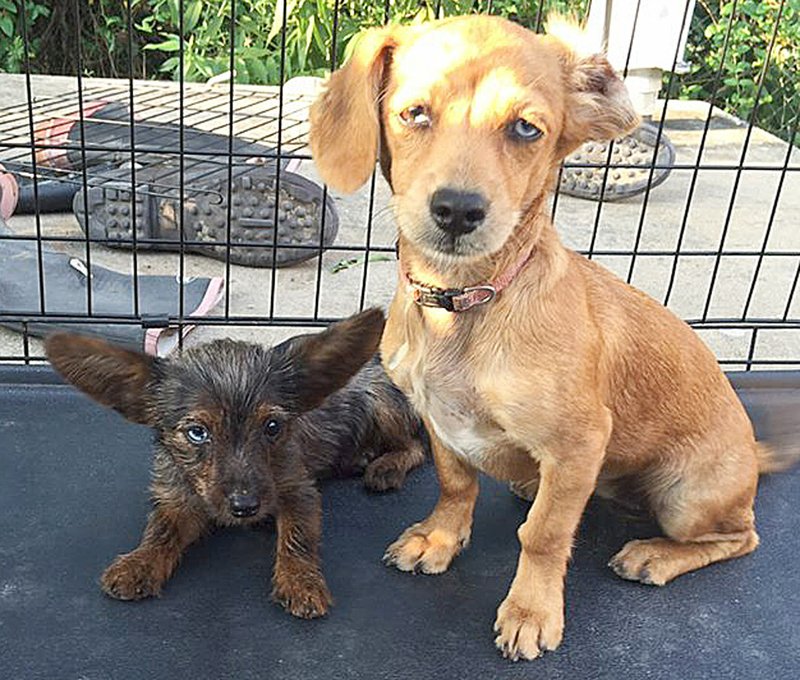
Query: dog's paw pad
[
  {"x": 305, "y": 599},
  {"x": 641, "y": 561},
  {"x": 130, "y": 578},
  {"x": 421, "y": 550},
  {"x": 382, "y": 474},
  {"x": 526, "y": 633}
]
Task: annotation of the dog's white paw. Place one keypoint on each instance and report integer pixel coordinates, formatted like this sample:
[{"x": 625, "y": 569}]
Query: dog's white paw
[
  {"x": 527, "y": 632},
  {"x": 421, "y": 549}
]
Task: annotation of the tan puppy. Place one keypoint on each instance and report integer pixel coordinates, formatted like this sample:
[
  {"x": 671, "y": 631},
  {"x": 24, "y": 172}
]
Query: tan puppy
[{"x": 568, "y": 380}]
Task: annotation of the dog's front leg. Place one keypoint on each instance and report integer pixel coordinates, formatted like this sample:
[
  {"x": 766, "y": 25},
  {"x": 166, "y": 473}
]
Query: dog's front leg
[
  {"x": 531, "y": 618},
  {"x": 171, "y": 528},
  {"x": 297, "y": 581},
  {"x": 429, "y": 546}
]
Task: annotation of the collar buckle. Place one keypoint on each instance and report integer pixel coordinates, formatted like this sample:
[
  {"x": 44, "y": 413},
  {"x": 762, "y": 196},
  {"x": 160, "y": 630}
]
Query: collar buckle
[
  {"x": 479, "y": 295},
  {"x": 435, "y": 297},
  {"x": 454, "y": 299}
]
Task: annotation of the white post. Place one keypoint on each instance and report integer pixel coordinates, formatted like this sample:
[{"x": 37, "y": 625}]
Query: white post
[{"x": 661, "y": 28}]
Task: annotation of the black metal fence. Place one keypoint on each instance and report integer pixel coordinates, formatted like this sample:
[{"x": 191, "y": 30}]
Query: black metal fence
[{"x": 734, "y": 280}]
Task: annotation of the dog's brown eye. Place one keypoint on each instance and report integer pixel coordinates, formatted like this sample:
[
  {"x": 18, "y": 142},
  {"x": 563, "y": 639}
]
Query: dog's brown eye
[
  {"x": 522, "y": 129},
  {"x": 197, "y": 434},
  {"x": 416, "y": 116},
  {"x": 273, "y": 427}
]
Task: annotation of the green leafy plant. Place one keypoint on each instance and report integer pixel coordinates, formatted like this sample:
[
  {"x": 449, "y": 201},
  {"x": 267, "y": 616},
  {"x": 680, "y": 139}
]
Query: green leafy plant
[
  {"x": 350, "y": 262},
  {"x": 12, "y": 43},
  {"x": 200, "y": 30},
  {"x": 303, "y": 30},
  {"x": 749, "y": 26},
  {"x": 259, "y": 36}
]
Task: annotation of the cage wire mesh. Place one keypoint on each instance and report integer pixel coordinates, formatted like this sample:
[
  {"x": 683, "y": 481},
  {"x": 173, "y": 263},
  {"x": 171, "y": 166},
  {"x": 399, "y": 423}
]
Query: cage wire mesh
[{"x": 716, "y": 241}]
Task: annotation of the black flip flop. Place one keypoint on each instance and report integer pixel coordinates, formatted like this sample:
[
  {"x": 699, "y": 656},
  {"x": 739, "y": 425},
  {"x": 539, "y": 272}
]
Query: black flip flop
[
  {"x": 65, "y": 282},
  {"x": 105, "y": 137},
  {"x": 103, "y": 142}
]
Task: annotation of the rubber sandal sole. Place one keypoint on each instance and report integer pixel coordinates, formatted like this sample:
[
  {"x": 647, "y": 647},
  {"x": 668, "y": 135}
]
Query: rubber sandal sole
[
  {"x": 635, "y": 149},
  {"x": 110, "y": 127},
  {"x": 205, "y": 217}
]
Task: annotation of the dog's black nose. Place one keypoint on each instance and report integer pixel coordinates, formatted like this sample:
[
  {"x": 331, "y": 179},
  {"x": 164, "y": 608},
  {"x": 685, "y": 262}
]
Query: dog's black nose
[
  {"x": 457, "y": 212},
  {"x": 243, "y": 505}
]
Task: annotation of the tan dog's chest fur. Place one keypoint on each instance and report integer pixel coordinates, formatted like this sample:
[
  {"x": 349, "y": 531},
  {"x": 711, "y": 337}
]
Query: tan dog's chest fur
[
  {"x": 452, "y": 399},
  {"x": 569, "y": 381}
]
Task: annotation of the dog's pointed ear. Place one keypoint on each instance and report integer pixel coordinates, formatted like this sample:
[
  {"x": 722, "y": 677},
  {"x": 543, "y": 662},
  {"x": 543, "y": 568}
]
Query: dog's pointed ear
[
  {"x": 345, "y": 118},
  {"x": 597, "y": 103},
  {"x": 311, "y": 367},
  {"x": 111, "y": 375}
]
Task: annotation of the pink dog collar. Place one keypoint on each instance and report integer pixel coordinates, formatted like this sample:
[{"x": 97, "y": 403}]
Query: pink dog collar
[{"x": 461, "y": 299}]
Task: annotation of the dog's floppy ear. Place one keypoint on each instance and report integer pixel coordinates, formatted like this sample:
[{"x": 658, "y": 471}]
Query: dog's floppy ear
[
  {"x": 345, "y": 124},
  {"x": 111, "y": 375},
  {"x": 311, "y": 367},
  {"x": 597, "y": 103}
]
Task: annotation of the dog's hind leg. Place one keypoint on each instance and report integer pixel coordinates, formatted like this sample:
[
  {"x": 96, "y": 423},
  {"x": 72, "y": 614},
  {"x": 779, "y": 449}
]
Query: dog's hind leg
[
  {"x": 389, "y": 470},
  {"x": 707, "y": 516},
  {"x": 656, "y": 561}
]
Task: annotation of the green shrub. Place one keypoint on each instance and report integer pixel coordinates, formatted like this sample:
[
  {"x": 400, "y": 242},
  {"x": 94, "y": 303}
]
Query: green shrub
[
  {"x": 258, "y": 35},
  {"x": 103, "y": 29},
  {"x": 258, "y": 38},
  {"x": 309, "y": 31},
  {"x": 752, "y": 24},
  {"x": 12, "y": 44}
]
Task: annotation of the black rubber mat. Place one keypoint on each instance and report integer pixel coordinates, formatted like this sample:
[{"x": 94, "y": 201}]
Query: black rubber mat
[{"x": 73, "y": 480}]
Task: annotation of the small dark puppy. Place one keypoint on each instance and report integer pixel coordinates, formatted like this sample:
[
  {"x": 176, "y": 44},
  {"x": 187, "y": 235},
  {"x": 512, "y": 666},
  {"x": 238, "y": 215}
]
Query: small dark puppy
[{"x": 242, "y": 433}]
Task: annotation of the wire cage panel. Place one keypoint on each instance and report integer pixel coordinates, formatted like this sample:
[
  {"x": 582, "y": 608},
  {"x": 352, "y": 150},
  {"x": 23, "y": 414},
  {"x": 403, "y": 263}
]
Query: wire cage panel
[{"x": 716, "y": 241}]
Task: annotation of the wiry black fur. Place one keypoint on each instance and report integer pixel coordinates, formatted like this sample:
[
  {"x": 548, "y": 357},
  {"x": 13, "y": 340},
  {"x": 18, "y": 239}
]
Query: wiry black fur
[
  {"x": 339, "y": 414},
  {"x": 365, "y": 419}
]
